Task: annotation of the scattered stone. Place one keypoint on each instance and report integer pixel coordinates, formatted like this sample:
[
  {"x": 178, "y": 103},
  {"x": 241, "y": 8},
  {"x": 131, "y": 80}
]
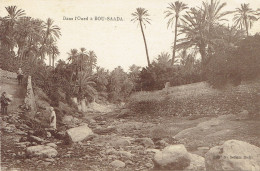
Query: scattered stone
[
  {"x": 79, "y": 133},
  {"x": 33, "y": 138},
  {"x": 23, "y": 144},
  {"x": 107, "y": 130},
  {"x": 53, "y": 145},
  {"x": 162, "y": 143},
  {"x": 153, "y": 150},
  {"x": 233, "y": 155},
  {"x": 50, "y": 159},
  {"x": 9, "y": 128},
  {"x": 42, "y": 151},
  {"x": 117, "y": 164},
  {"x": 48, "y": 134},
  {"x": 125, "y": 154},
  {"x": 173, "y": 157},
  {"x": 149, "y": 165},
  {"x": 123, "y": 141},
  {"x": 19, "y": 132},
  {"x": 243, "y": 115},
  {"x": 146, "y": 142}
]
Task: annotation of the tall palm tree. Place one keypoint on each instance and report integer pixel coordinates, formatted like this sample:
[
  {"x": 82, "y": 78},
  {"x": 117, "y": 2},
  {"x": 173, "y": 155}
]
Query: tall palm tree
[
  {"x": 92, "y": 60},
  {"x": 173, "y": 12},
  {"x": 55, "y": 52},
  {"x": 14, "y": 14},
  {"x": 83, "y": 58},
  {"x": 10, "y": 21},
  {"x": 214, "y": 14},
  {"x": 51, "y": 31},
  {"x": 142, "y": 17},
  {"x": 73, "y": 57},
  {"x": 245, "y": 17},
  {"x": 194, "y": 29},
  {"x": 199, "y": 26}
]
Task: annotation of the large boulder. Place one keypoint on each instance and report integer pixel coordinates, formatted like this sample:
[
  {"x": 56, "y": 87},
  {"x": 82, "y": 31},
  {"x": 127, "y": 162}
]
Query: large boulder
[
  {"x": 41, "y": 151},
  {"x": 197, "y": 163},
  {"x": 233, "y": 155},
  {"x": 173, "y": 157},
  {"x": 79, "y": 133}
]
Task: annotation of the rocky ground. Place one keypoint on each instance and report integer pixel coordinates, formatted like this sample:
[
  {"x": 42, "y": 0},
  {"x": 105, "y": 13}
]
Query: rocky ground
[{"x": 119, "y": 140}]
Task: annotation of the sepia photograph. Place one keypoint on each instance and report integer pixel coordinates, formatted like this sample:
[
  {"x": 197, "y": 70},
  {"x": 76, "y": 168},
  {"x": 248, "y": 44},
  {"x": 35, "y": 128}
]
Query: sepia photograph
[{"x": 130, "y": 85}]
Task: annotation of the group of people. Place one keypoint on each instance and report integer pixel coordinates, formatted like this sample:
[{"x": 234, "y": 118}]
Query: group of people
[{"x": 5, "y": 101}]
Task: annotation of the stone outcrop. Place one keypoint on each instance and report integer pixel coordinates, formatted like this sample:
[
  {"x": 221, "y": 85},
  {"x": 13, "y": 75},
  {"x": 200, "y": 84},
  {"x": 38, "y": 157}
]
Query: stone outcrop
[
  {"x": 29, "y": 100},
  {"x": 79, "y": 133},
  {"x": 233, "y": 155}
]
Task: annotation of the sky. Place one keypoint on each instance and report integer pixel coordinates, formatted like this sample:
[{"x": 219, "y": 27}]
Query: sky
[{"x": 116, "y": 43}]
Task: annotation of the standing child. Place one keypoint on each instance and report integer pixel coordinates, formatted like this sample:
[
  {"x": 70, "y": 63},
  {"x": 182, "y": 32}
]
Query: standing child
[
  {"x": 4, "y": 103},
  {"x": 53, "y": 119}
]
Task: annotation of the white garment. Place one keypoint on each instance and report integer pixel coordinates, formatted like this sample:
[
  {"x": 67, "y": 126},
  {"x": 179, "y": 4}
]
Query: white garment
[{"x": 53, "y": 123}]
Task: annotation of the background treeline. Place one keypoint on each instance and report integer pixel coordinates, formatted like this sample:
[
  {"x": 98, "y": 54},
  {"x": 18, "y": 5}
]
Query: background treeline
[{"x": 228, "y": 54}]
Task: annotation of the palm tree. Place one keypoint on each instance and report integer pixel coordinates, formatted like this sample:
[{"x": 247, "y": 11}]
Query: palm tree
[
  {"x": 92, "y": 60},
  {"x": 245, "y": 17},
  {"x": 194, "y": 29},
  {"x": 173, "y": 12},
  {"x": 55, "y": 52},
  {"x": 83, "y": 58},
  {"x": 10, "y": 21},
  {"x": 73, "y": 57},
  {"x": 164, "y": 58},
  {"x": 141, "y": 15},
  {"x": 199, "y": 26},
  {"x": 13, "y": 14},
  {"x": 84, "y": 86},
  {"x": 50, "y": 32},
  {"x": 214, "y": 14}
]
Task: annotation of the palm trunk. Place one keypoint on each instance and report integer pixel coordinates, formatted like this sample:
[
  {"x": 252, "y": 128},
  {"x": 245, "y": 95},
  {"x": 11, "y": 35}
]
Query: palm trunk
[
  {"x": 49, "y": 60},
  {"x": 246, "y": 24},
  {"x": 175, "y": 41},
  {"x": 202, "y": 50},
  {"x": 146, "y": 50},
  {"x": 53, "y": 60}
]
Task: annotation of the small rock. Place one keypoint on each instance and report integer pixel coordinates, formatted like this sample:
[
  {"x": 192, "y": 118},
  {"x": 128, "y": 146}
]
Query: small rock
[
  {"x": 23, "y": 144},
  {"x": 36, "y": 139},
  {"x": 149, "y": 165},
  {"x": 53, "y": 145},
  {"x": 42, "y": 151},
  {"x": 125, "y": 154},
  {"x": 79, "y": 133},
  {"x": 147, "y": 142},
  {"x": 50, "y": 160},
  {"x": 48, "y": 134},
  {"x": 123, "y": 141},
  {"x": 117, "y": 164}
]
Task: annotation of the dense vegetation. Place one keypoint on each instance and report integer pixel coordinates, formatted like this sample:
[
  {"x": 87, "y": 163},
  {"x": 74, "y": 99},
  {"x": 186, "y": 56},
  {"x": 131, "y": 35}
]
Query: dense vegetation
[{"x": 227, "y": 54}]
